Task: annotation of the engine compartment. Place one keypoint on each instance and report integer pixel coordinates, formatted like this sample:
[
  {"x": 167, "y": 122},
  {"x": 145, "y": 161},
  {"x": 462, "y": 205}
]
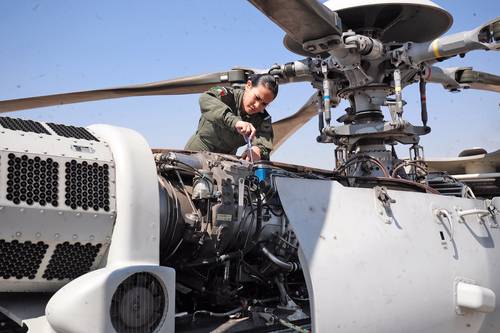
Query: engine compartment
[{"x": 224, "y": 231}]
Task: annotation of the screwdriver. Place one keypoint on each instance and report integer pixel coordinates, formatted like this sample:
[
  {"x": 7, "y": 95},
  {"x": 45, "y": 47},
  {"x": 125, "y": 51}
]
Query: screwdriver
[{"x": 249, "y": 148}]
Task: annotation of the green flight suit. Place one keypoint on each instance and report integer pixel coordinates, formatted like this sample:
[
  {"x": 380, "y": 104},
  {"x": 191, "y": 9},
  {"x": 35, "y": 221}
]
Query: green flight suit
[{"x": 221, "y": 108}]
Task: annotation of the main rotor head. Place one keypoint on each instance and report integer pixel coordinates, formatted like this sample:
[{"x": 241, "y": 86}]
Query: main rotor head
[
  {"x": 387, "y": 20},
  {"x": 393, "y": 20}
]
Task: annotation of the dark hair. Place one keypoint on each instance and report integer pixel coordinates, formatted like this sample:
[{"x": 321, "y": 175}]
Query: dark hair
[{"x": 267, "y": 80}]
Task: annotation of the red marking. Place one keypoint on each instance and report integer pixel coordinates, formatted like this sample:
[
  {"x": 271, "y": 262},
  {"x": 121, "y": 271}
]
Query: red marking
[{"x": 429, "y": 73}]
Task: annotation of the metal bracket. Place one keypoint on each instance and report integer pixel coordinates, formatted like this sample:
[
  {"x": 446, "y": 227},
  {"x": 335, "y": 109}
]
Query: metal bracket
[
  {"x": 494, "y": 211},
  {"x": 321, "y": 45},
  {"x": 383, "y": 204}
]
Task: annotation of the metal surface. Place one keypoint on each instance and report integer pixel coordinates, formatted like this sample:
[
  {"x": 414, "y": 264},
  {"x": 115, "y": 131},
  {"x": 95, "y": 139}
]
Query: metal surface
[
  {"x": 392, "y": 262},
  {"x": 138, "y": 201}
]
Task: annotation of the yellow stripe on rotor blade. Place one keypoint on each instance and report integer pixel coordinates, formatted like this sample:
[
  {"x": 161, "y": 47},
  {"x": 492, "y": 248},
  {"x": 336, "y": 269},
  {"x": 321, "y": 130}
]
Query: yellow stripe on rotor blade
[{"x": 435, "y": 48}]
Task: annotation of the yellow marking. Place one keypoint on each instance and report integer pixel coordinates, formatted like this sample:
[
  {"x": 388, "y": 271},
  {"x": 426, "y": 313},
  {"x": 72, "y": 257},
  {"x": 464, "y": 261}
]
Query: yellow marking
[
  {"x": 398, "y": 89},
  {"x": 435, "y": 48}
]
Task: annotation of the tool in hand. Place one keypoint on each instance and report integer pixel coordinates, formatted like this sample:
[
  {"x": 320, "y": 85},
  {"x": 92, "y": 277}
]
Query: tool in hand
[{"x": 249, "y": 148}]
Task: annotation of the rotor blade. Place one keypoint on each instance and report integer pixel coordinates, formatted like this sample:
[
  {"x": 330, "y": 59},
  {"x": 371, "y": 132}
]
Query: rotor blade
[
  {"x": 302, "y": 20},
  {"x": 446, "y": 77},
  {"x": 479, "y": 80},
  {"x": 457, "y": 78},
  {"x": 285, "y": 127},
  {"x": 484, "y": 37},
  {"x": 183, "y": 85},
  {"x": 480, "y": 162}
]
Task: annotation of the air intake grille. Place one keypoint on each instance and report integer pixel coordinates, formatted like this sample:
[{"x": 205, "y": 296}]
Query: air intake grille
[
  {"x": 72, "y": 132},
  {"x": 22, "y": 125},
  {"x": 445, "y": 184},
  {"x": 18, "y": 260},
  {"x": 69, "y": 261},
  {"x": 32, "y": 180},
  {"x": 138, "y": 304},
  {"x": 87, "y": 185}
]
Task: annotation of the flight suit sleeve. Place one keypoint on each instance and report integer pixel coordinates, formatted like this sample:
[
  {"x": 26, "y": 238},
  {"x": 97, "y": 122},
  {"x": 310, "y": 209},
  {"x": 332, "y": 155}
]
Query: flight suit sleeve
[
  {"x": 264, "y": 139},
  {"x": 216, "y": 111}
]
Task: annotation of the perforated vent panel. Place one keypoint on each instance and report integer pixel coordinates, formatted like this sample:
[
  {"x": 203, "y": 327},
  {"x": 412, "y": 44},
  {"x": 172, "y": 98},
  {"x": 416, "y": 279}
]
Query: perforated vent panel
[
  {"x": 72, "y": 132},
  {"x": 69, "y": 261},
  {"x": 87, "y": 185},
  {"x": 32, "y": 180},
  {"x": 20, "y": 260},
  {"x": 22, "y": 125},
  {"x": 57, "y": 188}
]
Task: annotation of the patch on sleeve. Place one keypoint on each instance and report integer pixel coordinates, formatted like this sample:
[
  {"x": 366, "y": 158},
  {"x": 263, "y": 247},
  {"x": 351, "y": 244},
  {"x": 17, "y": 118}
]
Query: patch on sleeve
[{"x": 219, "y": 91}]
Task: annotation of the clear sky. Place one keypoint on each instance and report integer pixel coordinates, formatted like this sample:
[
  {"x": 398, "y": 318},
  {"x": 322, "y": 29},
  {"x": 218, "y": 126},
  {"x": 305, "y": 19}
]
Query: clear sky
[{"x": 62, "y": 46}]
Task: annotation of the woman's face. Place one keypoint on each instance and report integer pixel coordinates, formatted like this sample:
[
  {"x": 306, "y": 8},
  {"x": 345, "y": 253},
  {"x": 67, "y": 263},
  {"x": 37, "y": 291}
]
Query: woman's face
[{"x": 255, "y": 99}]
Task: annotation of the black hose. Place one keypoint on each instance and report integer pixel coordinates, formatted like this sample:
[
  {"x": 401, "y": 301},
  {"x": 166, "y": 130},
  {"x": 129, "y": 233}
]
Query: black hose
[
  {"x": 213, "y": 260},
  {"x": 286, "y": 265}
]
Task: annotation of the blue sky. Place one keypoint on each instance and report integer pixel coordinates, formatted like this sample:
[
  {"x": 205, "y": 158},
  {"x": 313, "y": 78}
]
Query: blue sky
[{"x": 61, "y": 46}]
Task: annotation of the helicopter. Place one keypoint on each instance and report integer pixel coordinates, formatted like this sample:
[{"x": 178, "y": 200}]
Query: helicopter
[{"x": 198, "y": 241}]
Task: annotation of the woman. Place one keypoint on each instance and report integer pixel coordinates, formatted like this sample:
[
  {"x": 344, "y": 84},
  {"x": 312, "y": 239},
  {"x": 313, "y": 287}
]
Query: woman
[{"x": 230, "y": 116}]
